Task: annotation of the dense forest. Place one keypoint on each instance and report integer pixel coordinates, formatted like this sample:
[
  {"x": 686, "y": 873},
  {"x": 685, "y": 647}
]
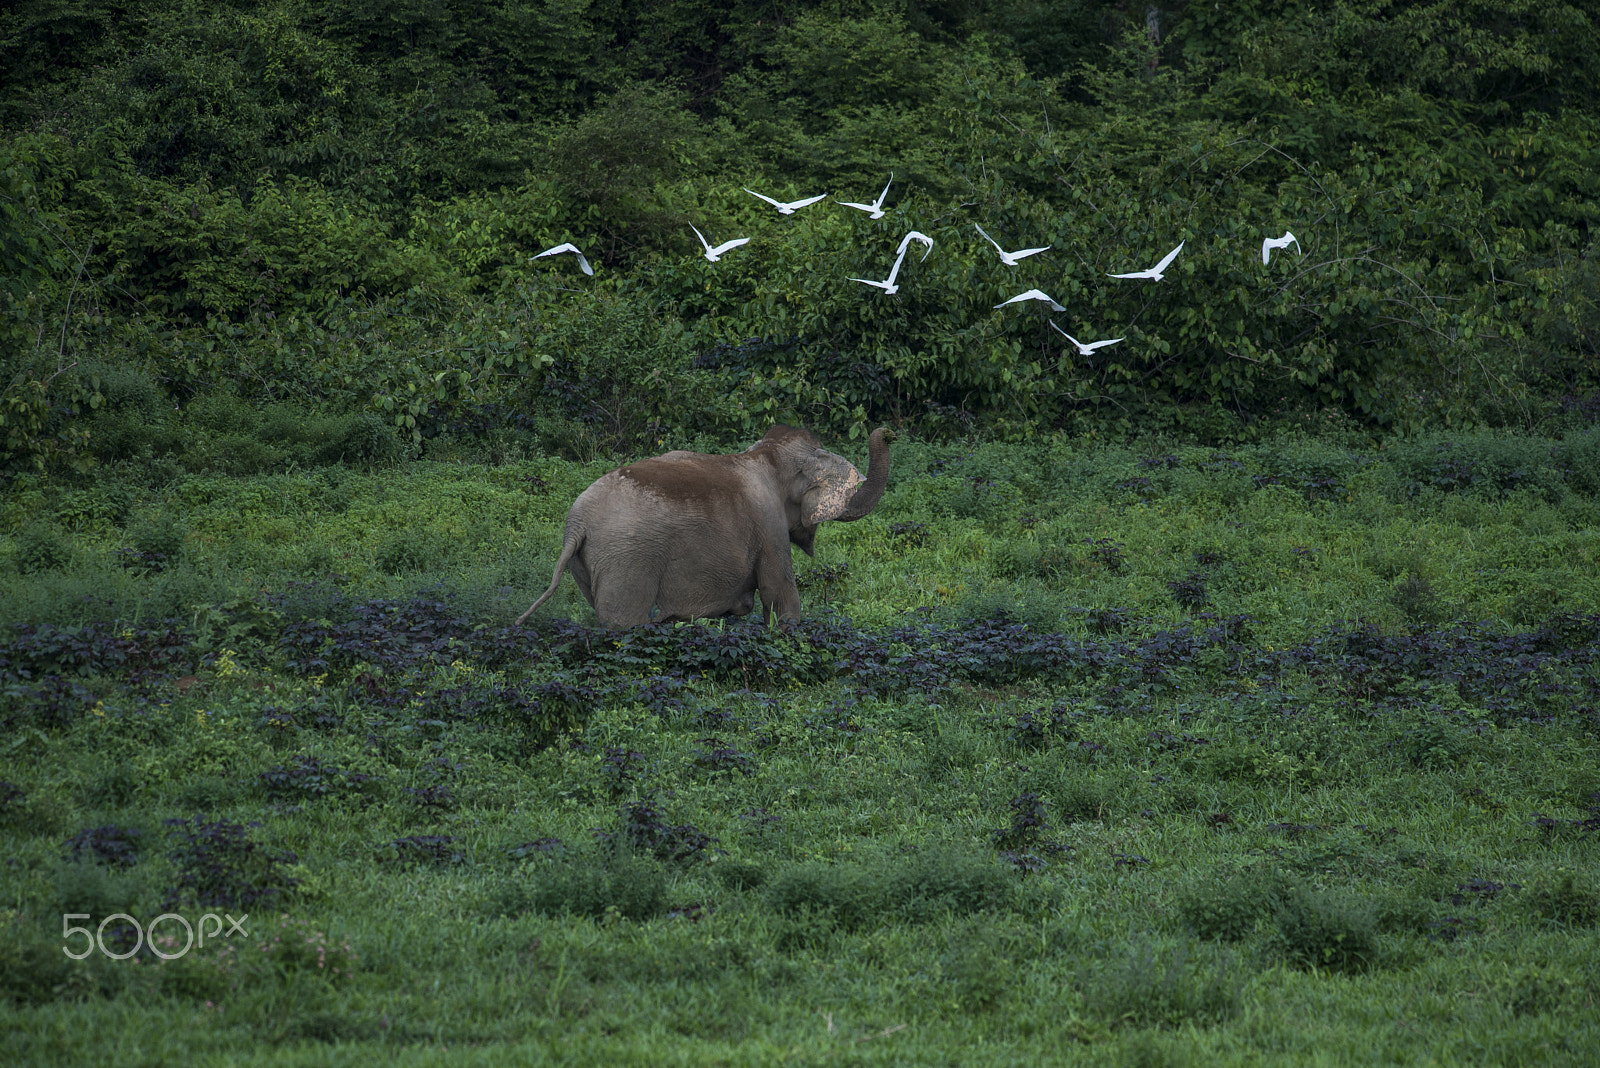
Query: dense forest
[{"x": 241, "y": 233}]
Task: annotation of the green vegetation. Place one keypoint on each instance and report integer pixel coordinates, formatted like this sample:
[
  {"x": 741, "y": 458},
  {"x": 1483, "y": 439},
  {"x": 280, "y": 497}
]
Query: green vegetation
[
  {"x": 1226, "y": 696},
  {"x": 329, "y": 211},
  {"x": 1086, "y": 753}
]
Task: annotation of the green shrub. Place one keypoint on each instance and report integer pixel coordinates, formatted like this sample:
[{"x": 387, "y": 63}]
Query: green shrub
[
  {"x": 596, "y": 884},
  {"x": 34, "y": 970},
  {"x": 1531, "y": 991},
  {"x": 913, "y": 889},
  {"x": 1417, "y": 600},
  {"x": 844, "y": 895},
  {"x": 98, "y": 507},
  {"x": 98, "y": 890},
  {"x": 1229, "y": 910},
  {"x": 1170, "y": 989},
  {"x": 1578, "y": 457},
  {"x": 42, "y": 546},
  {"x": 158, "y": 542},
  {"x": 406, "y": 550},
  {"x": 366, "y": 439},
  {"x": 1564, "y": 899},
  {"x": 1435, "y": 742},
  {"x": 740, "y": 874},
  {"x": 1490, "y": 465},
  {"x": 1327, "y": 930}
]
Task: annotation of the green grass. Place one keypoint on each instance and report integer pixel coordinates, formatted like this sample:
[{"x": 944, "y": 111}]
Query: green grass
[{"x": 1228, "y": 870}]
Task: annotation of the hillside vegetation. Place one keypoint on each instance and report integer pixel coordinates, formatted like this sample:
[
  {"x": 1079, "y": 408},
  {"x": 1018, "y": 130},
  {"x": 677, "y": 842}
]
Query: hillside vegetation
[{"x": 332, "y": 208}]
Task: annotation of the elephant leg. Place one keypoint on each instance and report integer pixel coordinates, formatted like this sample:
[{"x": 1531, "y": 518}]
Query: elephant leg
[
  {"x": 578, "y": 568},
  {"x": 620, "y": 603},
  {"x": 780, "y": 594}
]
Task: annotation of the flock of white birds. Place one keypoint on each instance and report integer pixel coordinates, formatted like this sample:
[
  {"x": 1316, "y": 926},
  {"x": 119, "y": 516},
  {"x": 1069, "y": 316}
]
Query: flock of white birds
[{"x": 889, "y": 286}]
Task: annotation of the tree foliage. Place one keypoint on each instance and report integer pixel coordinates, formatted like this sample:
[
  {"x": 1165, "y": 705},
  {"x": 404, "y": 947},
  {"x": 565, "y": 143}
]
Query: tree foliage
[{"x": 340, "y": 203}]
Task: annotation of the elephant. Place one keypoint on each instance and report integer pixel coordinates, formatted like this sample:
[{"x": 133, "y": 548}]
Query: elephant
[{"x": 687, "y": 535}]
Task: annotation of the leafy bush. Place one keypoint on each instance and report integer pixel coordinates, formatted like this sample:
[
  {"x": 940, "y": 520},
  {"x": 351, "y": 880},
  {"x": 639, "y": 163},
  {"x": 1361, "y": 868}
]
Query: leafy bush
[
  {"x": 1169, "y": 989},
  {"x": 117, "y": 847},
  {"x": 1230, "y": 909},
  {"x": 1564, "y": 899},
  {"x": 1327, "y": 930},
  {"x": 292, "y": 947},
  {"x": 424, "y": 850},
  {"x": 157, "y": 543},
  {"x": 218, "y": 864},
  {"x": 42, "y": 546},
  {"x": 596, "y": 884},
  {"x": 307, "y": 777},
  {"x": 913, "y": 889}
]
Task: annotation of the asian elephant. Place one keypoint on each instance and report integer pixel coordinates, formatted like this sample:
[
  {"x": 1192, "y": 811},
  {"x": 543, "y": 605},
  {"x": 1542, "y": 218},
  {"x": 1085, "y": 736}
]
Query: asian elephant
[{"x": 689, "y": 534}]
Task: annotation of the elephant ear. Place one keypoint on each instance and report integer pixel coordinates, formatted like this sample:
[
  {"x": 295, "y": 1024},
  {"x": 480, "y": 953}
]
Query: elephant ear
[{"x": 829, "y": 494}]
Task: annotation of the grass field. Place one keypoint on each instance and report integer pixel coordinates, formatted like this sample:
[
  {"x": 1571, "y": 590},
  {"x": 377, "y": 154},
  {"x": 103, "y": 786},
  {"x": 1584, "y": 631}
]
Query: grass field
[{"x": 1083, "y": 754}]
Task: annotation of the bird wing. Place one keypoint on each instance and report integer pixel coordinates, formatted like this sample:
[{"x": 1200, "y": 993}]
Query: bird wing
[
  {"x": 583, "y": 261},
  {"x": 1267, "y": 245},
  {"x": 769, "y": 200},
  {"x": 896, "y": 268},
  {"x": 1288, "y": 237},
  {"x": 1032, "y": 294},
  {"x": 876, "y": 204},
  {"x": 701, "y": 236},
  {"x": 1100, "y": 344},
  {"x": 1027, "y": 252},
  {"x": 1134, "y": 274},
  {"x": 807, "y": 200},
  {"x": 1158, "y": 268},
  {"x": 917, "y": 236},
  {"x": 870, "y": 282},
  {"x": 1066, "y": 335},
  {"x": 726, "y": 245},
  {"x": 989, "y": 239}
]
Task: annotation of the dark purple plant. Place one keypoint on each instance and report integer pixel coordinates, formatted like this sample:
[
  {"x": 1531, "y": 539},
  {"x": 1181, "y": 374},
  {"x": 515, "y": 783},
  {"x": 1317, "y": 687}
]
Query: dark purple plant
[{"x": 114, "y": 846}]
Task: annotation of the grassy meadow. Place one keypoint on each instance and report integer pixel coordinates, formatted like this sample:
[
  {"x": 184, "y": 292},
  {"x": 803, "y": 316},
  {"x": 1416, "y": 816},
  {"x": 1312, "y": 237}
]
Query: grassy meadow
[{"x": 1085, "y": 753}]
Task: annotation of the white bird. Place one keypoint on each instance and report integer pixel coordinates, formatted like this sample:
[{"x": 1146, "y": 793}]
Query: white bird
[
  {"x": 787, "y": 209},
  {"x": 875, "y": 209},
  {"x": 1085, "y": 350},
  {"x": 1154, "y": 273},
  {"x": 583, "y": 260},
  {"x": 1008, "y": 258},
  {"x": 916, "y": 236},
  {"x": 887, "y": 285},
  {"x": 1032, "y": 294},
  {"x": 1278, "y": 242},
  {"x": 714, "y": 254}
]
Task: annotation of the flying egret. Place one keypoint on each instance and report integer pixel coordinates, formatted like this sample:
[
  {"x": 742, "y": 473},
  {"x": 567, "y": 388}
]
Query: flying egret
[
  {"x": 887, "y": 285},
  {"x": 715, "y": 254},
  {"x": 1154, "y": 273},
  {"x": 875, "y": 209},
  {"x": 916, "y": 236},
  {"x": 1008, "y": 258},
  {"x": 583, "y": 261},
  {"x": 1085, "y": 350},
  {"x": 1278, "y": 242},
  {"x": 787, "y": 209},
  {"x": 1032, "y": 294}
]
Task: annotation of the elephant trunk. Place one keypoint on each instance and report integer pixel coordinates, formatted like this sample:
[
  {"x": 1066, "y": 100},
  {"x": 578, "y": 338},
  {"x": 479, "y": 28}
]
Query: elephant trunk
[{"x": 867, "y": 495}]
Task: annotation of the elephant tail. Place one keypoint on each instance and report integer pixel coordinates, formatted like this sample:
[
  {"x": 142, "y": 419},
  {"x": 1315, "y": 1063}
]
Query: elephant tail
[{"x": 572, "y": 544}]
